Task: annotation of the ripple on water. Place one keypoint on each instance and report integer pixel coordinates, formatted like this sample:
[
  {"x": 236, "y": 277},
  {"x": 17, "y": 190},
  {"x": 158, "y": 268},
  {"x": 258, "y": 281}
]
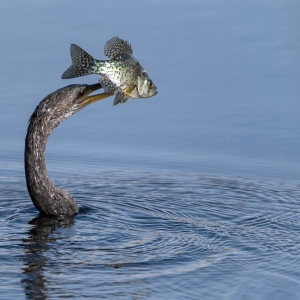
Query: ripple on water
[{"x": 161, "y": 233}]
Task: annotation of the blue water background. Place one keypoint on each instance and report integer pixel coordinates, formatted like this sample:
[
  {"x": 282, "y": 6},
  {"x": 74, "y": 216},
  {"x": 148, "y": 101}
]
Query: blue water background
[{"x": 216, "y": 149}]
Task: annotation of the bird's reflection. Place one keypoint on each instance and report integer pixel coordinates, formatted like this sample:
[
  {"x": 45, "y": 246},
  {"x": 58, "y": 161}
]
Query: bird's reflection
[{"x": 36, "y": 246}]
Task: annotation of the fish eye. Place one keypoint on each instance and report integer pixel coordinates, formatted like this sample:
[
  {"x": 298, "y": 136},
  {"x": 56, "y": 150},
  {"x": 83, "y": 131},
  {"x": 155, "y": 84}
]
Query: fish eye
[{"x": 150, "y": 84}]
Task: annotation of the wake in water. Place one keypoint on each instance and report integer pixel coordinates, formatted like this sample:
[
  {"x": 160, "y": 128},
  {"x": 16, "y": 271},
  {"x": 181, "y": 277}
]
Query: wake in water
[{"x": 154, "y": 235}]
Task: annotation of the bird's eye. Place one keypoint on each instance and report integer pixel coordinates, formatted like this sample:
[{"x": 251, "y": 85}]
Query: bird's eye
[
  {"x": 81, "y": 93},
  {"x": 150, "y": 84}
]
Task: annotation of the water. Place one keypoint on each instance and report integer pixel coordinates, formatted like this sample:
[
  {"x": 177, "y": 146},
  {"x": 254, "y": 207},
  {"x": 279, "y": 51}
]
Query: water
[{"x": 192, "y": 194}]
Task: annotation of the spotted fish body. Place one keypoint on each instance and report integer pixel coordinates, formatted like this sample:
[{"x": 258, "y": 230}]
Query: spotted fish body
[{"x": 122, "y": 74}]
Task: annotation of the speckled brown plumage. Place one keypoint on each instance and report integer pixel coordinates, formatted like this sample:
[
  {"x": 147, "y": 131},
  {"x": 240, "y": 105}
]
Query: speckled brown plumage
[{"x": 51, "y": 111}]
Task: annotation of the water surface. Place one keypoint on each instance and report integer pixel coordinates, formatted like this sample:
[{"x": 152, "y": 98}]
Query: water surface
[{"x": 191, "y": 194}]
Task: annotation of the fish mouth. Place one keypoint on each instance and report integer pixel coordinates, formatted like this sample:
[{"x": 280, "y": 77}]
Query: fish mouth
[
  {"x": 89, "y": 99},
  {"x": 148, "y": 95}
]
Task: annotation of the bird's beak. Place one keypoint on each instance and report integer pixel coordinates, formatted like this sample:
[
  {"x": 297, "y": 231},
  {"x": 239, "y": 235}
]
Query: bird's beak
[{"x": 94, "y": 98}]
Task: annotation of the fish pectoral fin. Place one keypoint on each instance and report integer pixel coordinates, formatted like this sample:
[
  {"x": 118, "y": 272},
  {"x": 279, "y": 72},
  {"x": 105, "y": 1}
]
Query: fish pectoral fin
[
  {"x": 120, "y": 98},
  {"x": 108, "y": 86},
  {"x": 115, "y": 47}
]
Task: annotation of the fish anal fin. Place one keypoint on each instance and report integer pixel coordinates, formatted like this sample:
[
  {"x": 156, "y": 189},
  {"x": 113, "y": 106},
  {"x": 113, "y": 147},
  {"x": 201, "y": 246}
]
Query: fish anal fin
[{"x": 108, "y": 86}]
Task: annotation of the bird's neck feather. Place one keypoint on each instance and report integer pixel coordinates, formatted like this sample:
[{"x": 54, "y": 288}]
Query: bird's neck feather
[{"x": 47, "y": 198}]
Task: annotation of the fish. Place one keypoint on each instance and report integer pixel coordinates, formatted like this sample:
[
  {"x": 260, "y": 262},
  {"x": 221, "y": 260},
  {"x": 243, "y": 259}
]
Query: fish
[{"x": 122, "y": 74}]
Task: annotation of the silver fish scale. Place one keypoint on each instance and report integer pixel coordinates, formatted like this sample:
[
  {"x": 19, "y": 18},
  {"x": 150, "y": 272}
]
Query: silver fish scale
[
  {"x": 122, "y": 74},
  {"x": 122, "y": 71}
]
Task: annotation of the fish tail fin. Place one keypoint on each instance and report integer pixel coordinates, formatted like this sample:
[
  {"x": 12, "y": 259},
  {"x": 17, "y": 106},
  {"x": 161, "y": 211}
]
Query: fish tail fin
[{"x": 81, "y": 63}]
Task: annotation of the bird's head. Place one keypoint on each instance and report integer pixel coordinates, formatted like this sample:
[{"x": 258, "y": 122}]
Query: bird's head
[
  {"x": 80, "y": 95},
  {"x": 65, "y": 102}
]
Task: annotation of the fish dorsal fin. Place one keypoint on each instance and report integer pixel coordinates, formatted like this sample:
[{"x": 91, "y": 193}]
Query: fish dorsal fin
[{"x": 115, "y": 47}]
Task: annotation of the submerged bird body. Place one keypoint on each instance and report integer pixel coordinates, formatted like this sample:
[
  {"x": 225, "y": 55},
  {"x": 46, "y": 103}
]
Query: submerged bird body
[{"x": 122, "y": 74}]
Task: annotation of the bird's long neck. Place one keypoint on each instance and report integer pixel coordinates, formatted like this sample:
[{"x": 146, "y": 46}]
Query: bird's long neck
[{"x": 47, "y": 198}]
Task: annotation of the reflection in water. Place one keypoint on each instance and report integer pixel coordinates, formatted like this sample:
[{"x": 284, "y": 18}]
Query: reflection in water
[
  {"x": 164, "y": 237},
  {"x": 36, "y": 247},
  {"x": 209, "y": 178}
]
